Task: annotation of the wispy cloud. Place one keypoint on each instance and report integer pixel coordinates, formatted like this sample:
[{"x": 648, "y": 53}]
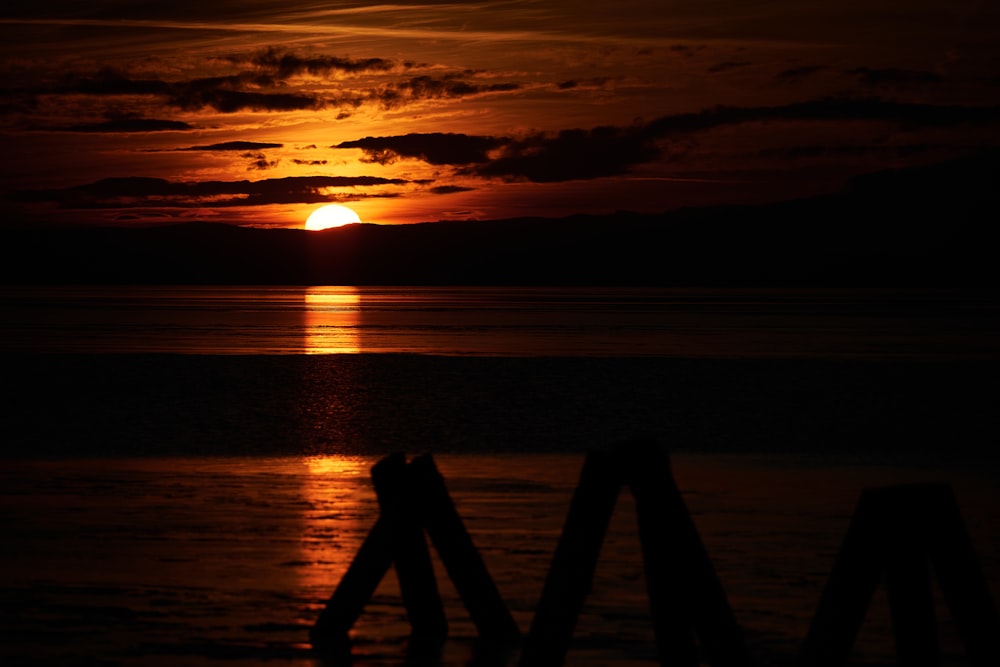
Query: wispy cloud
[
  {"x": 124, "y": 126},
  {"x": 434, "y": 148},
  {"x": 233, "y": 146},
  {"x": 135, "y": 192}
]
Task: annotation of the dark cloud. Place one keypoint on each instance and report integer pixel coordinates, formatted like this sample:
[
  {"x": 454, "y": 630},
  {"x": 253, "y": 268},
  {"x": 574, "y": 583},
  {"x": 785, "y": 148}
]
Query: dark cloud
[
  {"x": 907, "y": 115},
  {"x": 596, "y": 82},
  {"x": 219, "y": 93},
  {"x": 851, "y": 151},
  {"x": 608, "y": 151},
  {"x": 430, "y": 88},
  {"x": 262, "y": 88},
  {"x": 233, "y": 146},
  {"x": 110, "y": 81},
  {"x": 796, "y": 73},
  {"x": 893, "y": 77},
  {"x": 228, "y": 94},
  {"x": 726, "y": 66},
  {"x": 157, "y": 192},
  {"x": 435, "y": 148},
  {"x": 126, "y": 125},
  {"x": 286, "y": 64},
  {"x": 310, "y": 162},
  {"x": 572, "y": 155},
  {"x": 259, "y": 162},
  {"x": 449, "y": 189}
]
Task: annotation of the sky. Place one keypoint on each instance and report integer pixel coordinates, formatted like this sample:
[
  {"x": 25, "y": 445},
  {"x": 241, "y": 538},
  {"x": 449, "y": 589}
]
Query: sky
[{"x": 255, "y": 112}]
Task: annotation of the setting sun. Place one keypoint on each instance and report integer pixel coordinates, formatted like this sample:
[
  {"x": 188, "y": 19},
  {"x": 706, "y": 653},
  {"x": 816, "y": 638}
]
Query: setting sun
[{"x": 331, "y": 215}]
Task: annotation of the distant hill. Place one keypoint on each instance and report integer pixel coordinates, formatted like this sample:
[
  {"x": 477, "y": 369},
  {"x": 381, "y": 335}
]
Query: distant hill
[{"x": 931, "y": 226}]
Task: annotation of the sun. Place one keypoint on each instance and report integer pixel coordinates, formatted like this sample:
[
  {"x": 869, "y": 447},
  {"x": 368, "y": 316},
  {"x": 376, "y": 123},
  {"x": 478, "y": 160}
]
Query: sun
[{"x": 331, "y": 215}]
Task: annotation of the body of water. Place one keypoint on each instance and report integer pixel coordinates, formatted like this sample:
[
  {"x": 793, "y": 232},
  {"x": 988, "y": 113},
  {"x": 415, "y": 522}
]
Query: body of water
[
  {"x": 501, "y": 321},
  {"x": 185, "y": 469}
]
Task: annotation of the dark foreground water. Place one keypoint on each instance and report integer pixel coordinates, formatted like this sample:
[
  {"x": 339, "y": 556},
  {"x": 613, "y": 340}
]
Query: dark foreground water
[
  {"x": 156, "y": 405},
  {"x": 176, "y": 509}
]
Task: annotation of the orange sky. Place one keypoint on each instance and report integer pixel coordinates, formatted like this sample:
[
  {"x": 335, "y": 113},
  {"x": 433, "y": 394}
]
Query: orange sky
[{"x": 256, "y": 111}]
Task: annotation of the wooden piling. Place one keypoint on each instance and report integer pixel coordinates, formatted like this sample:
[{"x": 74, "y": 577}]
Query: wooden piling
[
  {"x": 848, "y": 592},
  {"x": 902, "y": 532},
  {"x": 417, "y": 584},
  {"x": 962, "y": 581},
  {"x": 686, "y": 598},
  {"x": 572, "y": 570},
  {"x": 461, "y": 559},
  {"x": 370, "y": 564},
  {"x": 905, "y": 516}
]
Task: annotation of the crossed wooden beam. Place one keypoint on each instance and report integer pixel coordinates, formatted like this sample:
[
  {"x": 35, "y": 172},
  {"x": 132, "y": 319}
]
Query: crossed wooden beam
[
  {"x": 412, "y": 498},
  {"x": 897, "y": 534}
]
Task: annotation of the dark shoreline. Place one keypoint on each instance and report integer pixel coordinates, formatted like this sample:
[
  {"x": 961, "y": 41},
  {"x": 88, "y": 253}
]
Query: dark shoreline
[{"x": 77, "y": 405}]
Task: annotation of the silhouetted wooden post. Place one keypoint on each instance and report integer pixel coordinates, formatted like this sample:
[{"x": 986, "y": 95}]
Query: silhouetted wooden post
[
  {"x": 686, "y": 598},
  {"x": 572, "y": 570},
  {"x": 848, "y": 592},
  {"x": 413, "y": 497},
  {"x": 370, "y": 564},
  {"x": 962, "y": 581},
  {"x": 905, "y": 520},
  {"x": 417, "y": 583},
  {"x": 900, "y": 531},
  {"x": 458, "y": 554}
]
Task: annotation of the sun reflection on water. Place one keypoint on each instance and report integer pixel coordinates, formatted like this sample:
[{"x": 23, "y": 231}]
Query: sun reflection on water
[
  {"x": 331, "y": 317},
  {"x": 339, "y": 510}
]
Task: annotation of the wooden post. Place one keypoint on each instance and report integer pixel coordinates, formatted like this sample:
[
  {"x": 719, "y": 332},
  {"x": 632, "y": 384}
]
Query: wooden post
[
  {"x": 412, "y": 560},
  {"x": 900, "y": 531},
  {"x": 686, "y": 598},
  {"x": 572, "y": 570},
  {"x": 458, "y": 554},
  {"x": 904, "y": 515},
  {"x": 962, "y": 582},
  {"x": 355, "y": 589},
  {"x": 848, "y": 592}
]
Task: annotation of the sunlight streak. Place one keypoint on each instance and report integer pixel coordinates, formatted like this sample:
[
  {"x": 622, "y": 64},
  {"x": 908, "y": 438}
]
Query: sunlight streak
[{"x": 332, "y": 316}]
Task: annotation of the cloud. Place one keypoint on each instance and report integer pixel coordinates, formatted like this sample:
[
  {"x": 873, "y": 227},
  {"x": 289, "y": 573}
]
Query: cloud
[
  {"x": 449, "y": 189},
  {"x": 286, "y": 64},
  {"x": 891, "y": 76},
  {"x": 233, "y": 146},
  {"x": 259, "y": 162},
  {"x": 137, "y": 191},
  {"x": 434, "y": 148},
  {"x": 126, "y": 125},
  {"x": 310, "y": 162},
  {"x": 572, "y": 155},
  {"x": 228, "y": 94},
  {"x": 609, "y": 151},
  {"x": 253, "y": 91},
  {"x": 851, "y": 151},
  {"x": 429, "y": 88},
  {"x": 580, "y": 154},
  {"x": 905, "y": 114},
  {"x": 220, "y": 93},
  {"x": 796, "y": 73},
  {"x": 726, "y": 66}
]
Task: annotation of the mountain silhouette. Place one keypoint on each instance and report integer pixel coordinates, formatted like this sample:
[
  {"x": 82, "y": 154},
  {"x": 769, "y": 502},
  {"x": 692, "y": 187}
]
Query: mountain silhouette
[{"x": 926, "y": 226}]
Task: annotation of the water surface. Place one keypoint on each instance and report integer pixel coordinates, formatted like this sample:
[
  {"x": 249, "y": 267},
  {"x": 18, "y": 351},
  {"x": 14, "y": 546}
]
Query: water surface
[{"x": 501, "y": 321}]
